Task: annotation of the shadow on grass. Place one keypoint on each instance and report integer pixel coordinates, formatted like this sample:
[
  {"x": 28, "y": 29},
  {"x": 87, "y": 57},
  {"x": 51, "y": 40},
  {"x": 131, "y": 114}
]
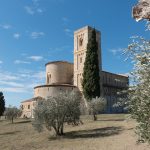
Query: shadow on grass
[
  {"x": 10, "y": 133},
  {"x": 130, "y": 129},
  {"x": 111, "y": 120},
  {"x": 2, "y": 120},
  {"x": 93, "y": 133},
  {"x": 23, "y": 121}
]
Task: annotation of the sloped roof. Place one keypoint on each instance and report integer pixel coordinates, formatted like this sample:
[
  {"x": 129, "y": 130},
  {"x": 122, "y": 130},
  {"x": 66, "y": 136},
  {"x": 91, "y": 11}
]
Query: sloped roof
[
  {"x": 32, "y": 99},
  {"x": 121, "y": 75},
  {"x": 61, "y": 61}
]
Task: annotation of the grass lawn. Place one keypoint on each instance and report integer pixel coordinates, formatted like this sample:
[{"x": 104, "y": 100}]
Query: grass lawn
[{"x": 110, "y": 132}]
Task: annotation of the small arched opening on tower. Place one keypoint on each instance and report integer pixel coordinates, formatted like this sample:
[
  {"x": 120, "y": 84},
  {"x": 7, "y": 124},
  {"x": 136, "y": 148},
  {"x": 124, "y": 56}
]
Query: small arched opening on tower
[
  {"x": 81, "y": 42},
  {"x": 48, "y": 78}
]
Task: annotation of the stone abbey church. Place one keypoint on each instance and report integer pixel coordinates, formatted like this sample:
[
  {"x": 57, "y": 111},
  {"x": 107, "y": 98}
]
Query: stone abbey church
[{"x": 66, "y": 76}]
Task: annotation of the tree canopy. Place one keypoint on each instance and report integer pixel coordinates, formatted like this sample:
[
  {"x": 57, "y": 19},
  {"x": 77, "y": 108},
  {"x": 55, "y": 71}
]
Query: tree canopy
[
  {"x": 97, "y": 105},
  {"x": 12, "y": 112},
  {"x": 55, "y": 111},
  {"x": 139, "y": 93}
]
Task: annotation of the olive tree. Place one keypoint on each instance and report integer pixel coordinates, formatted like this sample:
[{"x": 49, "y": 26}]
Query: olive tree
[
  {"x": 54, "y": 112},
  {"x": 138, "y": 102},
  {"x": 96, "y": 105},
  {"x": 12, "y": 112}
]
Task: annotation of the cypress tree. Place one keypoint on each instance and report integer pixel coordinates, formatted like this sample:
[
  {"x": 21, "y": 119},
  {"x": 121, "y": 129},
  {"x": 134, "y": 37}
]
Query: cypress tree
[
  {"x": 2, "y": 104},
  {"x": 91, "y": 78}
]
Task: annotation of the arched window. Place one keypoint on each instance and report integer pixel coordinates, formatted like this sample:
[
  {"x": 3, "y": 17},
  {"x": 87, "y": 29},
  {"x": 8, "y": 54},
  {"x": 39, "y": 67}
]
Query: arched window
[
  {"x": 80, "y": 41},
  {"x": 81, "y": 80},
  {"x": 80, "y": 59},
  {"x": 48, "y": 78}
]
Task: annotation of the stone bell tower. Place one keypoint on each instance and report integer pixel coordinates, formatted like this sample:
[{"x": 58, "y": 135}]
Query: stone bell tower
[{"x": 81, "y": 37}]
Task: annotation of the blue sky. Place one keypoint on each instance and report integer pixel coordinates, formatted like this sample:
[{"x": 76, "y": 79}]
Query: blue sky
[{"x": 33, "y": 32}]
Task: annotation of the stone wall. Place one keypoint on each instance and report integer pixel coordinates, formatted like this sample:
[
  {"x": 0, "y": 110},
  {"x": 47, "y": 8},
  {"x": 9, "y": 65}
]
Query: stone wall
[
  {"x": 59, "y": 72},
  {"x": 112, "y": 84},
  {"x": 52, "y": 90},
  {"x": 114, "y": 80},
  {"x": 27, "y": 109}
]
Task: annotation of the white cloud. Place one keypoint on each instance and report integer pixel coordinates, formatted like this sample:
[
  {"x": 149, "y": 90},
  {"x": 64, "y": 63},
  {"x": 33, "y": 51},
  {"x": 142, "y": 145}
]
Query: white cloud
[
  {"x": 10, "y": 82},
  {"x": 21, "y": 82},
  {"x": 67, "y": 30},
  {"x": 39, "y": 75},
  {"x": 65, "y": 19},
  {"x": 36, "y": 58},
  {"x": 35, "y": 1},
  {"x": 39, "y": 10},
  {"x": 14, "y": 90},
  {"x": 59, "y": 49},
  {"x": 29, "y": 10},
  {"x": 5, "y": 26},
  {"x": 21, "y": 62},
  {"x": 16, "y": 36},
  {"x": 65, "y": 22},
  {"x": 32, "y": 75},
  {"x": 7, "y": 76},
  {"x": 116, "y": 51},
  {"x": 23, "y": 54},
  {"x": 35, "y": 35},
  {"x": 14, "y": 84},
  {"x": 33, "y": 8},
  {"x": 1, "y": 62}
]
